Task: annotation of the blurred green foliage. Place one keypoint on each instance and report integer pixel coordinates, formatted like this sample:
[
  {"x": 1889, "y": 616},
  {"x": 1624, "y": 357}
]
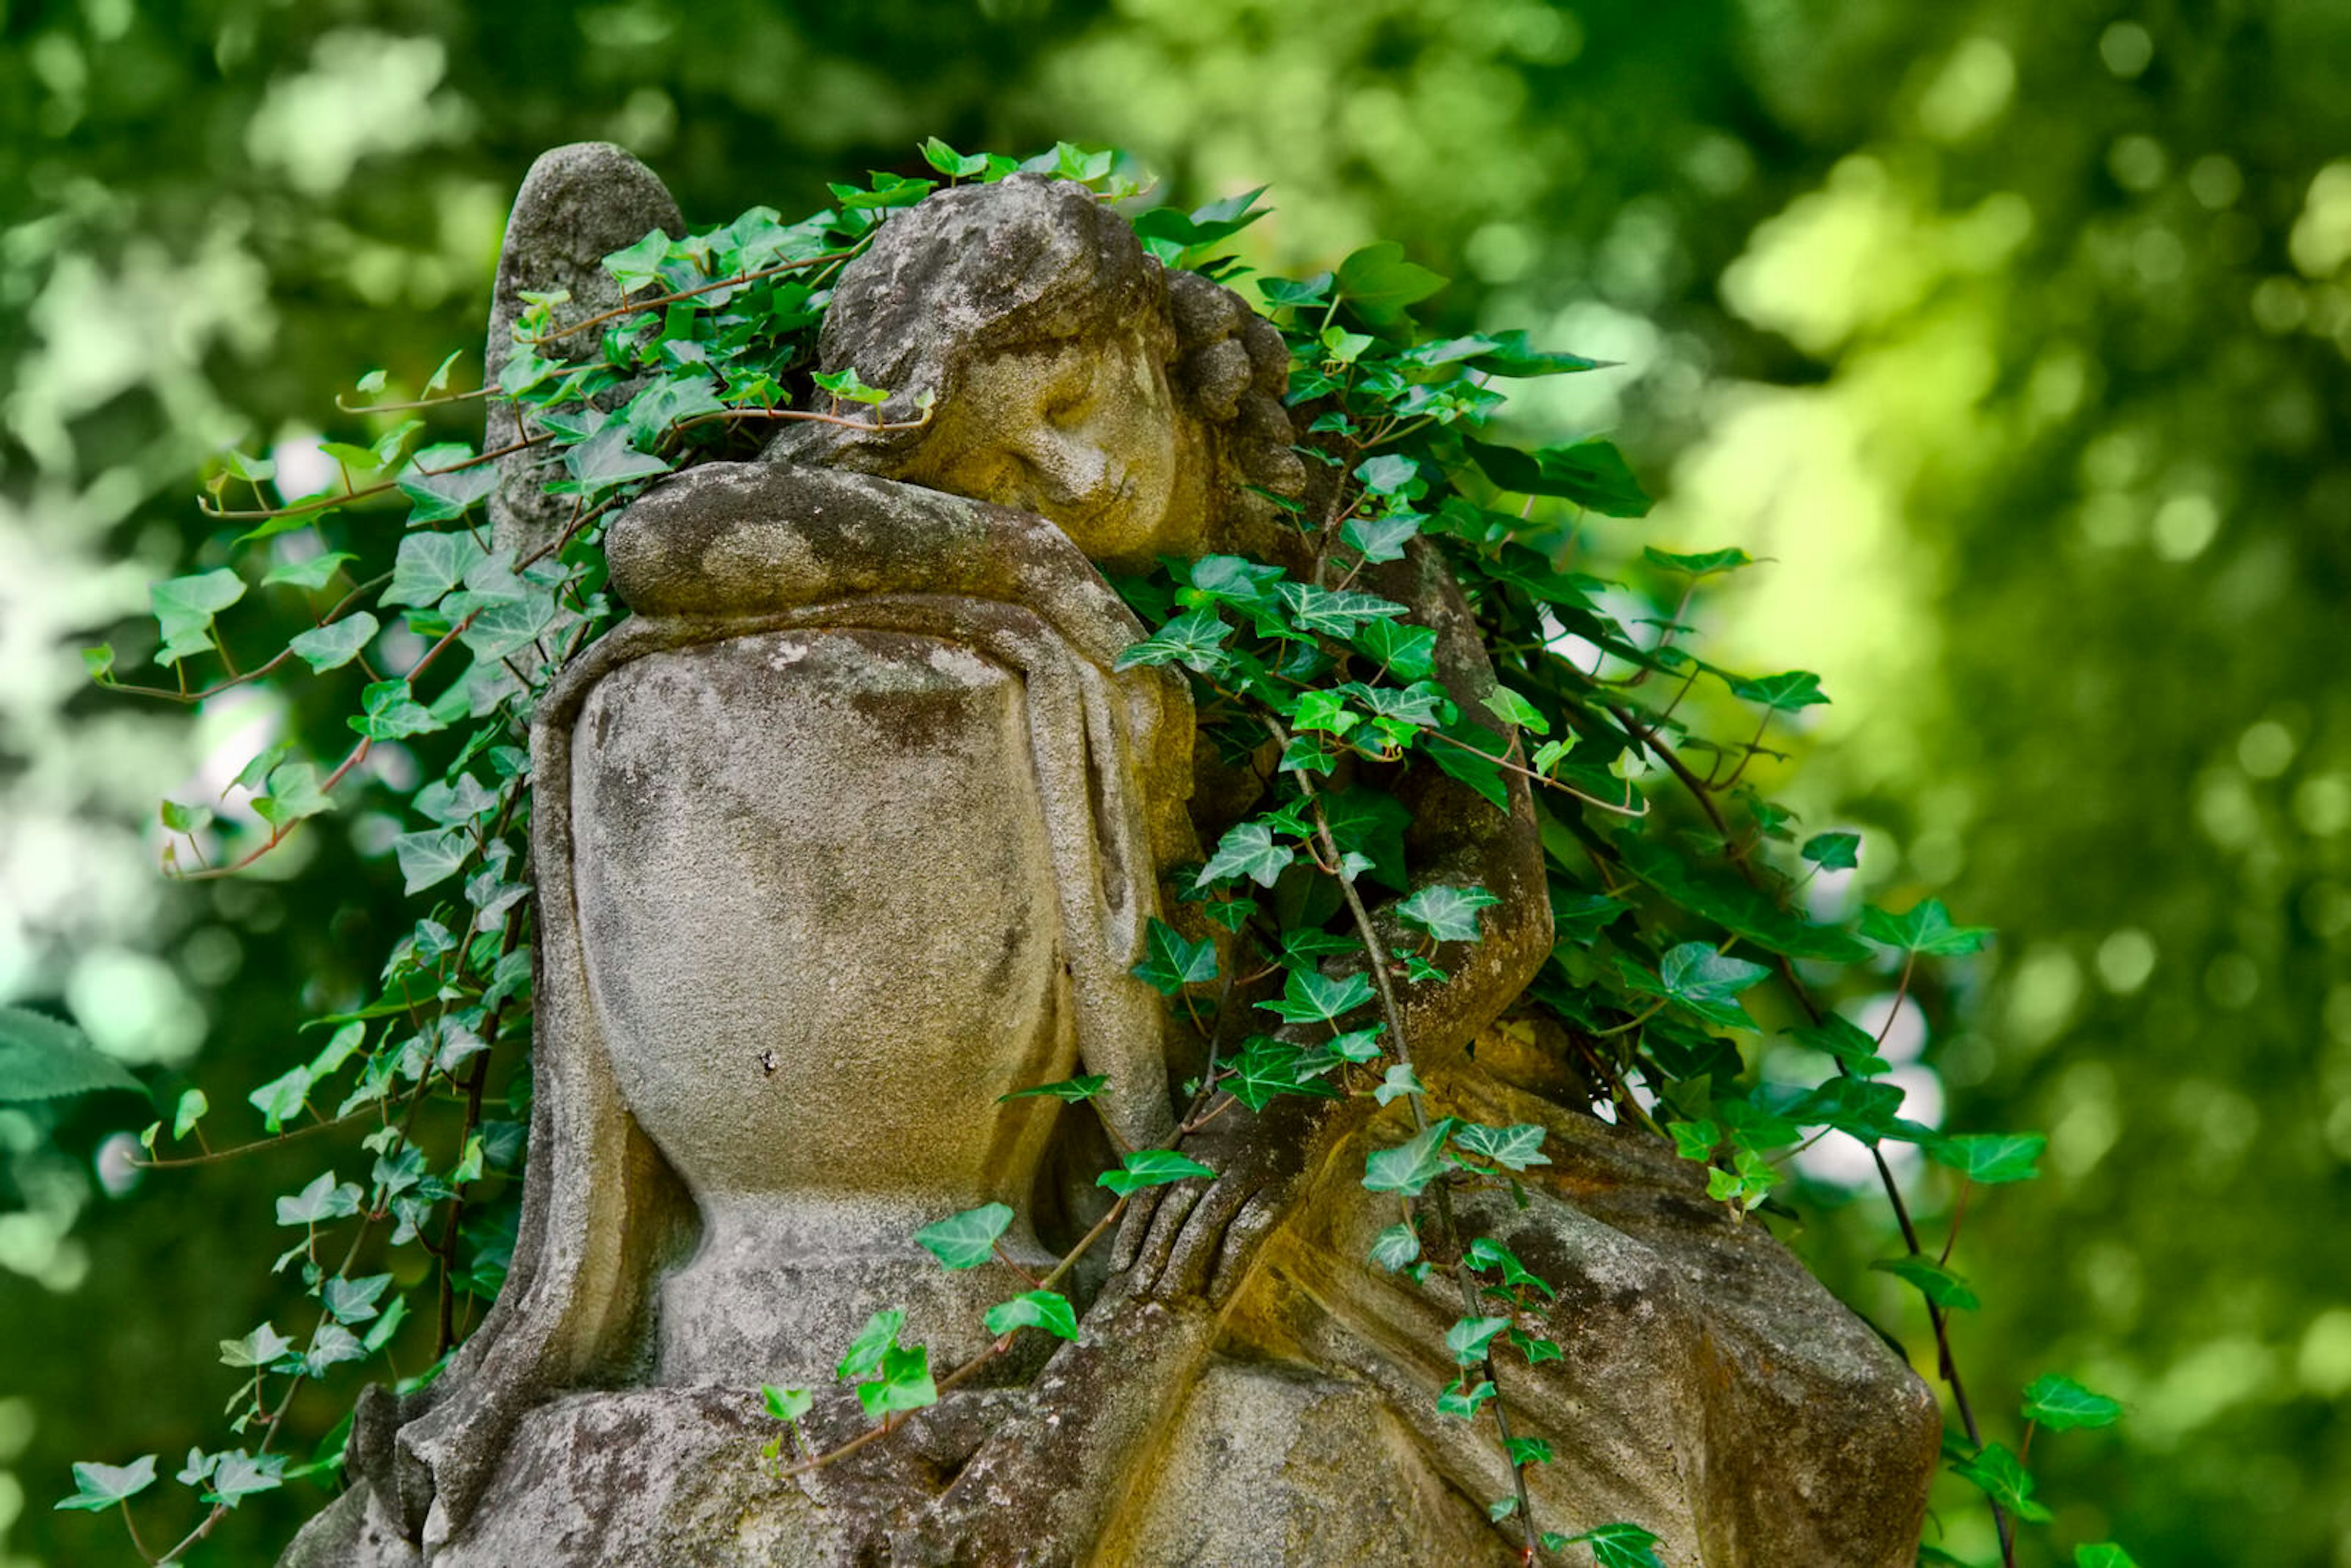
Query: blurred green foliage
[{"x": 2018, "y": 334}]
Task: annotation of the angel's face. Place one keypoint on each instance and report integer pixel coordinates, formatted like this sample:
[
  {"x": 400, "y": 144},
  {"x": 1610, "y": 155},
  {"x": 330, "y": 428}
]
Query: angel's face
[{"x": 1085, "y": 433}]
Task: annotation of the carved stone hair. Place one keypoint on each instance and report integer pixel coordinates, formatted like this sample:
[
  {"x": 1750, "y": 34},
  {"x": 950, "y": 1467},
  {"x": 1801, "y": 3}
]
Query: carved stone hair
[{"x": 1025, "y": 264}]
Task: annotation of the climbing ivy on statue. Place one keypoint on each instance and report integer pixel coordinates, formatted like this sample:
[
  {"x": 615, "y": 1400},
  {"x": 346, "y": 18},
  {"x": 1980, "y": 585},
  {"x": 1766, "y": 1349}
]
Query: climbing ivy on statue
[{"x": 1675, "y": 883}]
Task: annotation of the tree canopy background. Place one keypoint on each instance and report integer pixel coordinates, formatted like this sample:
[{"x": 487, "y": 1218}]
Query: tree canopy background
[{"x": 2018, "y": 334}]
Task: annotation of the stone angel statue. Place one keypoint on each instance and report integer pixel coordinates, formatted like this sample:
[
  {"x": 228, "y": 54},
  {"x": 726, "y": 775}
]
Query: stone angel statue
[{"x": 854, "y": 828}]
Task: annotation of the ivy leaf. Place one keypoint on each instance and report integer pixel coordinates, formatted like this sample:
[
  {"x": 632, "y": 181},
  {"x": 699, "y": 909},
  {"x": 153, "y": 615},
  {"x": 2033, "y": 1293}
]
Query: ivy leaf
[
  {"x": 263, "y": 1347},
  {"x": 1789, "y": 693},
  {"x": 1284, "y": 292},
  {"x": 337, "y": 643},
  {"x": 190, "y": 1111},
  {"x": 1246, "y": 850},
  {"x": 1173, "y": 963},
  {"x": 1380, "y": 538},
  {"x": 1230, "y": 580},
  {"x": 1409, "y": 652},
  {"x": 787, "y": 1404},
  {"x": 1194, "y": 640},
  {"x": 2063, "y": 1405},
  {"x": 952, "y": 163},
  {"x": 446, "y": 495},
  {"x": 1513, "y": 1148},
  {"x": 1703, "y": 565},
  {"x": 1267, "y": 1068},
  {"x": 1468, "y": 1339},
  {"x": 1524, "y": 1451},
  {"x": 1834, "y": 851},
  {"x": 1857, "y": 1107},
  {"x": 184, "y": 608},
  {"x": 239, "y": 1475},
  {"x": 1591, "y": 473},
  {"x": 1511, "y": 708},
  {"x": 309, "y": 574},
  {"x": 1401, "y": 1081},
  {"x": 1706, "y": 982},
  {"x": 1840, "y": 1037},
  {"x": 1616, "y": 1546},
  {"x": 353, "y": 1301},
  {"x": 2002, "y": 1477},
  {"x": 965, "y": 1240},
  {"x": 1446, "y": 912},
  {"x": 1459, "y": 1399},
  {"x": 429, "y": 565},
  {"x": 1335, "y": 612},
  {"x": 294, "y": 794},
  {"x": 1412, "y": 1164},
  {"x": 431, "y": 856},
  {"x": 1694, "y": 1140},
  {"x": 1510, "y": 357},
  {"x": 634, "y": 265},
  {"x": 904, "y": 1384},
  {"x": 1475, "y": 756},
  {"x": 1734, "y": 905},
  {"x": 1989, "y": 1158},
  {"x": 1307, "y": 996},
  {"x": 41, "y": 1058},
  {"x": 1396, "y": 1248},
  {"x": 1379, "y": 282},
  {"x": 1485, "y": 1252},
  {"x": 1934, "y": 1281},
  {"x": 865, "y": 1352},
  {"x": 2103, "y": 1554},
  {"x": 324, "y": 1199},
  {"x": 392, "y": 714},
  {"x": 1151, "y": 1167},
  {"x": 1925, "y": 929},
  {"x": 1047, "y": 1309},
  {"x": 98, "y": 1487},
  {"x": 1069, "y": 1090},
  {"x": 281, "y": 1099},
  {"x": 606, "y": 459}
]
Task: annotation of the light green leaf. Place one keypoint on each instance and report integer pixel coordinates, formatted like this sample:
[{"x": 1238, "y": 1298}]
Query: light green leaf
[
  {"x": 1703, "y": 565},
  {"x": 1409, "y": 652},
  {"x": 1400, "y": 1082},
  {"x": 904, "y": 1384},
  {"x": 262, "y": 1347},
  {"x": 2063, "y": 1405},
  {"x": 191, "y": 1110},
  {"x": 967, "y": 1239},
  {"x": 41, "y": 1058},
  {"x": 1461, "y": 1401},
  {"x": 98, "y": 1487},
  {"x": 1925, "y": 929},
  {"x": 865, "y": 1352},
  {"x": 184, "y": 608},
  {"x": 336, "y": 644},
  {"x": 1788, "y": 693},
  {"x": 1468, "y": 1339},
  {"x": 324, "y": 1199},
  {"x": 1446, "y": 912},
  {"x": 634, "y": 265},
  {"x": 1380, "y": 283},
  {"x": 392, "y": 714},
  {"x": 353, "y": 1301},
  {"x": 1989, "y": 1158},
  {"x": 2002, "y": 1477},
  {"x": 1248, "y": 849},
  {"x": 429, "y": 565},
  {"x": 1396, "y": 1248},
  {"x": 281, "y": 1099},
  {"x": 1194, "y": 640},
  {"x": 2103, "y": 1554},
  {"x": 1513, "y": 1148},
  {"x": 1619, "y": 1546},
  {"x": 1511, "y": 708},
  {"x": 1047, "y": 1309},
  {"x": 1412, "y": 1164},
  {"x": 606, "y": 460},
  {"x": 1151, "y": 1167},
  {"x": 311, "y": 573},
  {"x": 787, "y": 1404},
  {"x": 1085, "y": 1086},
  {"x": 448, "y": 494}
]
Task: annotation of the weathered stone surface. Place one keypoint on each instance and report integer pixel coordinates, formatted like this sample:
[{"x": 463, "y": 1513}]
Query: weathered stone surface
[{"x": 852, "y": 827}]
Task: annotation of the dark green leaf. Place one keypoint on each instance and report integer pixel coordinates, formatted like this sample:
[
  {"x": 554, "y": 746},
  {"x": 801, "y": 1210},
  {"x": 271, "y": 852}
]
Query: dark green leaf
[
  {"x": 1410, "y": 1166},
  {"x": 2004, "y": 1480},
  {"x": 337, "y": 643},
  {"x": 1834, "y": 851},
  {"x": 1734, "y": 905},
  {"x": 1446, "y": 912},
  {"x": 1786, "y": 693},
  {"x": 1925, "y": 929},
  {"x": 1248, "y": 849},
  {"x": 1591, "y": 473},
  {"x": 441, "y": 496},
  {"x": 1380, "y": 283},
  {"x": 1173, "y": 963},
  {"x": 1194, "y": 640},
  {"x": 1702, "y": 565},
  {"x": 1934, "y": 1281},
  {"x": 1513, "y": 1148},
  {"x": 1307, "y": 996},
  {"x": 1468, "y": 1339}
]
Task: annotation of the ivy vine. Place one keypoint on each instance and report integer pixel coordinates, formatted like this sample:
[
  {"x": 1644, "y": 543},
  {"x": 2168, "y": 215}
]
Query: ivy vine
[{"x": 1675, "y": 884}]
